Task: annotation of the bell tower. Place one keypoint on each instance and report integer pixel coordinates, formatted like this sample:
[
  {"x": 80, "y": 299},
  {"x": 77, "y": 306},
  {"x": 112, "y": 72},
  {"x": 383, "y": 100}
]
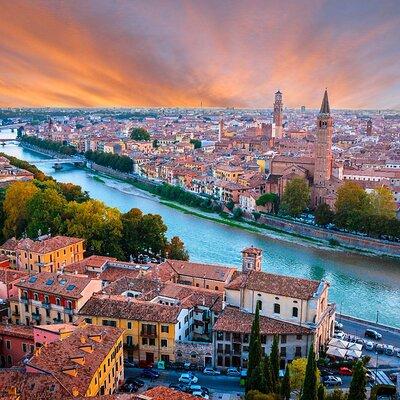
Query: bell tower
[
  {"x": 278, "y": 111},
  {"x": 323, "y": 144},
  {"x": 251, "y": 259}
]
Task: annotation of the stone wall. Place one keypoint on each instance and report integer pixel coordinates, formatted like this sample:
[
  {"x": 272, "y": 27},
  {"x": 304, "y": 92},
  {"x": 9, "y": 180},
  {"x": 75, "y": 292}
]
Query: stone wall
[
  {"x": 344, "y": 239},
  {"x": 197, "y": 353}
]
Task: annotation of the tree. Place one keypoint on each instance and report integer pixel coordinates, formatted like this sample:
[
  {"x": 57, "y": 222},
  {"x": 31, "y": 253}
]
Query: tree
[
  {"x": 255, "y": 349},
  {"x": 100, "y": 225},
  {"x": 45, "y": 211},
  {"x": 310, "y": 384},
  {"x": 176, "y": 249},
  {"x": 15, "y": 203},
  {"x": 352, "y": 204},
  {"x": 383, "y": 203},
  {"x": 275, "y": 360},
  {"x": 257, "y": 395},
  {"x": 139, "y": 134},
  {"x": 257, "y": 379},
  {"x": 131, "y": 242},
  {"x": 230, "y": 205},
  {"x": 337, "y": 394},
  {"x": 268, "y": 198},
  {"x": 256, "y": 215},
  {"x": 296, "y": 197},
  {"x": 270, "y": 383},
  {"x": 285, "y": 385},
  {"x": 237, "y": 213},
  {"x": 323, "y": 215},
  {"x": 196, "y": 143},
  {"x": 358, "y": 382},
  {"x": 153, "y": 232},
  {"x": 321, "y": 392}
]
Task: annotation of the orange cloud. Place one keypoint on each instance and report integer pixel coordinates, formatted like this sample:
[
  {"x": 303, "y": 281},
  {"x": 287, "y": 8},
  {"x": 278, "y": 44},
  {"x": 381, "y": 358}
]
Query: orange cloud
[{"x": 180, "y": 53}]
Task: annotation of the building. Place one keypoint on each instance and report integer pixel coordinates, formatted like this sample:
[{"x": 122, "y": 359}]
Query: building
[
  {"x": 295, "y": 309},
  {"x": 86, "y": 363},
  {"x": 278, "y": 115},
  {"x": 369, "y": 127},
  {"x": 48, "y": 298},
  {"x": 16, "y": 342},
  {"x": 150, "y": 329},
  {"x": 8, "y": 279},
  {"x": 48, "y": 253}
]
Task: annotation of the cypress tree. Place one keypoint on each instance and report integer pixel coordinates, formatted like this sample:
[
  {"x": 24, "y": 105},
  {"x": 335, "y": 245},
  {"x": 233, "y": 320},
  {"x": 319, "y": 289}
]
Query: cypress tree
[
  {"x": 285, "y": 385},
  {"x": 275, "y": 360},
  {"x": 269, "y": 381},
  {"x": 310, "y": 384},
  {"x": 358, "y": 382},
  {"x": 321, "y": 392},
  {"x": 255, "y": 349},
  {"x": 257, "y": 379}
]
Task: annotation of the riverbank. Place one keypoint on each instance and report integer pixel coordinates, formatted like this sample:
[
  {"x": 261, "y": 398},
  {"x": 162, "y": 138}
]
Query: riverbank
[{"x": 277, "y": 228}]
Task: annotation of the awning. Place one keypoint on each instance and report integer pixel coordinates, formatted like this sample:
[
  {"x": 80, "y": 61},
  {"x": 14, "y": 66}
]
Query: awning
[
  {"x": 342, "y": 344},
  {"x": 353, "y": 353},
  {"x": 336, "y": 352}
]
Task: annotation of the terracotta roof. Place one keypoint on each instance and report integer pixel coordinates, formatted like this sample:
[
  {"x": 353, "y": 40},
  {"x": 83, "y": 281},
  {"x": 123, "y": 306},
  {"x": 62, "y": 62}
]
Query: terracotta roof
[
  {"x": 280, "y": 285},
  {"x": 10, "y": 244},
  {"x": 234, "y": 320},
  {"x": 164, "y": 393},
  {"x": 66, "y": 285},
  {"x": 252, "y": 250},
  {"x": 47, "y": 245},
  {"x": 92, "y": 261},
  {"x": 121, "y": 307},
  {"x": 57, "y": 355},
  {"x": 141, "y": 285},
  {"x": 197, "y": 270},
  {"x": 11, "y": 275},
  {"x": 111, "y": 274},
  {"x": 21, "y": 331}
]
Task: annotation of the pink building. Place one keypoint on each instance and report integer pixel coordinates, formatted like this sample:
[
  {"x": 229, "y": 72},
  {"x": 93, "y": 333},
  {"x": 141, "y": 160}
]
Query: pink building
[{"x": 16, "y": 341}]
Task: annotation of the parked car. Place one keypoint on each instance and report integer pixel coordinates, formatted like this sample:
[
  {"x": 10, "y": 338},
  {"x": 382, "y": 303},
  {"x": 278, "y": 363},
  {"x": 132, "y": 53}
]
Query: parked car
[
  {"x": 338, "y": 325},
  {"x": 232, "y": 372},
  {"x": 380, "y": 348},
  {"x": 200, "y": 394},
  {"x": 389, "y": 350},
  {"x": 198, "y": 388},
  {"x": 179, "y": 387},
  {"x": 150, "y": 373},
  {"x": 210, "y": 371},
  {"x": 369, "y": 376},
  {"x": 129, "y": 388},
  {"x": 393, "y": 377},
  {"x": 331, "y": 380},
  {"x": 373, "y": 334},
  {"x": 360, "y": 341},
  {"x": 136, "y": 381},
  {"x": 339, "y": 335},
  {"x": 130, "y": 364},
  {"x": 369, "y": 346},
  {"x": 345, "y": 371},
  {"x": 398, "y": 352},
  {"x": 188, "y": 378}
]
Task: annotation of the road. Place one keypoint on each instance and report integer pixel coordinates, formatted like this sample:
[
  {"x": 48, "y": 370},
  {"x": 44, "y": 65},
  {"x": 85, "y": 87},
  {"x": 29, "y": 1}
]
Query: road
[{"x": 216, "y": 384}]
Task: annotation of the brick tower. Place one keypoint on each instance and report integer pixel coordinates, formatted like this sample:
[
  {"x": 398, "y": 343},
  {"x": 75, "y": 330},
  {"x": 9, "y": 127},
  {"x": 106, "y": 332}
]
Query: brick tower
[
  {"x": 323, "y": 145},
  {"x": 251, "y": 259},
  {"x": 369, "y": 127},
  {"x": 278, "y": 117}
]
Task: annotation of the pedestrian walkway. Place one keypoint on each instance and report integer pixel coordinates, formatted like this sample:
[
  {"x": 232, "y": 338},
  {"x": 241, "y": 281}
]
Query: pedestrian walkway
[{"x": 381, "y": 378}]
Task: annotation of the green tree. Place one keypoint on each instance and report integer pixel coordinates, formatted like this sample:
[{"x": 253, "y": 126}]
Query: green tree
[
  {"x": 337, "y": 394},
  {"x": 296, "y": 197},
  {"x": 2, "y": 213},
  {"x": 100, "y": 225},
  {"x": 275, "y": 360},
  {"x": 15, "y": 203},
  {"x": 45, "y": 211},
  {"x": 310, "y": 384},
  {"x": 321, "y": 392},
  {"x": 176, "y": 249},
  {"x": 139, "y": 134},
  {"x": 255, "y": 349},
  {"x": 285, "y": 386},
  {"x": 237, "y": 213},
  {"x": 230, "y": 205},
  {"x": 323, "y": 215},
  {"x": 270, "y": 383},
  {"x": 256, "y": 215},
  {"x": 131, "y": 242},
  {"x": 153, "y": 232},
  {"x": 257, "y": 380},
  {"x": 196, "y": 143},
  {"x": 352, "y": 205},
  {"x": 270, "y": 199},
  {"x": 357, "y": 389},
  {"x": 383, "y": 203}
]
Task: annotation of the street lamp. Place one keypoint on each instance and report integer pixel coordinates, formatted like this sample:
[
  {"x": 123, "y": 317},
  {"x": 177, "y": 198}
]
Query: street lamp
[
  {"x": 376, "y": 365},
  {"x": 377, "y": 316}
]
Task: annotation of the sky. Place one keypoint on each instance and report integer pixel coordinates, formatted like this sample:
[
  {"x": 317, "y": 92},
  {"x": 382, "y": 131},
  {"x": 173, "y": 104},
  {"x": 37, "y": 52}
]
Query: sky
[{"x": 184, "y": 53}]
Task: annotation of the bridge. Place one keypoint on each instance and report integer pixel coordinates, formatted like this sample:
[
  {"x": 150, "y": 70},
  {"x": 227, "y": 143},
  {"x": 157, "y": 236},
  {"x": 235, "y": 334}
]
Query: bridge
[{"x": 59, "y": 161}]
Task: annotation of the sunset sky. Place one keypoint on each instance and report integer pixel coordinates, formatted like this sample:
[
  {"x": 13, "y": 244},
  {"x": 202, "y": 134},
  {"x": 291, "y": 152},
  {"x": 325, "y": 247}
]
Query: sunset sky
[{"x": 180, "y": 53}]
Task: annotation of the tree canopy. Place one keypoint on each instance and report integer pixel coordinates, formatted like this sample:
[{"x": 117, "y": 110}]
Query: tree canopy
[
  {"x": 296, "y": 197},
  {"x": 139, "y": 134}
]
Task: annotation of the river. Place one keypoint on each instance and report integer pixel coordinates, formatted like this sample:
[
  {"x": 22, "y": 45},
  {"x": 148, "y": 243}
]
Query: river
[{"x": 360, "y": 285}]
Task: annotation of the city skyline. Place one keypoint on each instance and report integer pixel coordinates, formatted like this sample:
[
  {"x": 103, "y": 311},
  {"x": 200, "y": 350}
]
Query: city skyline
[{"x": 184, "y": 54}]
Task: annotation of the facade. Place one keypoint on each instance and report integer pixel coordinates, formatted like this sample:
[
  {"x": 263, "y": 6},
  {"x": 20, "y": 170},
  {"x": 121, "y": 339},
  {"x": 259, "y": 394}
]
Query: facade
[
  {"x": 16, "y": 342},
  {"x": 297, "y": 310},
  {"x": 8, "y": 279},
  {"x": 48, "y": 298},
  {"x": 49, "y": 254}
]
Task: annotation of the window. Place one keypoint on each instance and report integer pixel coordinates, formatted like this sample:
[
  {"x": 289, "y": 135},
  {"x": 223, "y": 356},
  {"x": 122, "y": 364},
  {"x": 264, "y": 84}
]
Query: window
[
  {"x": 263, "y": 339},
  {"x": 277, "y": 308},
  {"x": 9, "y": 360},
  {"x": 299, "y": 337},
  {"x": 164, "y": 343},
  {"x": 58, "y": 301},
  {"x": 295, "y": 312},
  {"x": 283, "y": 338},
  {"x": 129, "y": 340},
  {"x": 298, "y": 351},
  {"x": 88, "y": 320},
  {"x": 69, "y": 304},
  {"x": 8, "y": 344},
  {"x": 164, "y": 328},
  {"x": 216, "y": 287},
  {"x": 152, "y": 342},
  {"x": 283, "y": 351},
  {"x": 220, "y": 336},
  {"x": 227, "y": 336},
  {"x": 259, "y": 304},
  {"x": 144, "y": 341},
  {"x": 35, "y": 296},
  {"x": 24, "y": 347},
  {"x": 129, "y": 325},
  {"x": 227, "y": 348}
]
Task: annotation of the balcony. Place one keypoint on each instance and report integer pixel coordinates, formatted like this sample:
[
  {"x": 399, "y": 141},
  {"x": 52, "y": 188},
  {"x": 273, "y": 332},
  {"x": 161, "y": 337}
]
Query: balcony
[
  {"x": 69, "y": 311},
  {"x": 36, "y": 316},
  {"x": 58, "y": 320},
  {"x": 24, "y": 300},
  {"x": 148, "y": 334},
  {"x": 46, "y": 305}
]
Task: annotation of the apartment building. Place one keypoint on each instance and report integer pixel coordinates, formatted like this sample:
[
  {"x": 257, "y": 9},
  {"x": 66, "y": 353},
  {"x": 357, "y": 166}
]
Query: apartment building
[{"x": 48, "y": 298}]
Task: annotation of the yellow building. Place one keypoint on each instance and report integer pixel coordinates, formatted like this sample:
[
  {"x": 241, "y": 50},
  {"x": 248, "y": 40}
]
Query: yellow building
[
  {"x": 228, "y": 172},
  {"x": 87, "y": 363},
  {"x": 49, "y": 254},
  {"x": 150, "y": 328}
]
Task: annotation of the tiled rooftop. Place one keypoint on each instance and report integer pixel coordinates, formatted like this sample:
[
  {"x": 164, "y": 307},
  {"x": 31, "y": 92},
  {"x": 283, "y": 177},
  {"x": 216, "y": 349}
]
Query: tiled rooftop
[
  {"x": 21, "y": 331},
  {"x": 47, "y": 245}
]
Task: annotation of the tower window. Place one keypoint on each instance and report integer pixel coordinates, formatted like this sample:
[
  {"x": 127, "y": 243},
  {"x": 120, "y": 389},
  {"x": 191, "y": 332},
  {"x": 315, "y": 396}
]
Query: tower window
[
  {"x": 295, "y": 312},
  {"x": 277, "y": 308}
]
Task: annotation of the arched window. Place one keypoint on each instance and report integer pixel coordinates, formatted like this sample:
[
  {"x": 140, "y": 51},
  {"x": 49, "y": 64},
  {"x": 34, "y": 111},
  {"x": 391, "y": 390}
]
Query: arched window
[{"x": 295, "y": 312}]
